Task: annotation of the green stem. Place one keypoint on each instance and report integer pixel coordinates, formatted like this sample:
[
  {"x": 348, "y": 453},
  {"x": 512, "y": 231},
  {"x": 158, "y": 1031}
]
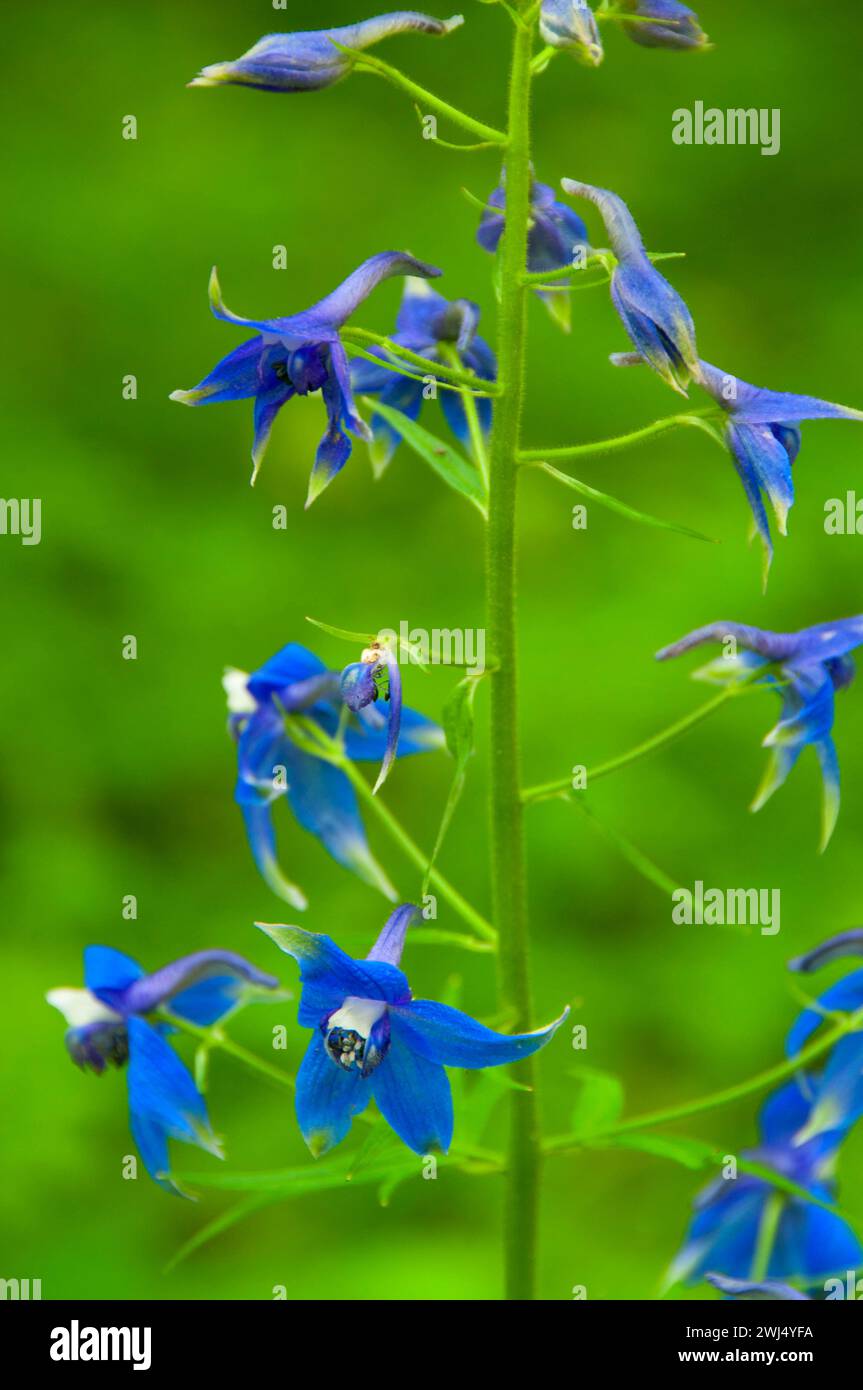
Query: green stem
[
  {"x": 604, "y": 258},
  {"x": 763, "y": 1081},
  {"x": 682, "y": 726},
  {"x": 508, "y": 873},
  {"x": 475, "y": 430},
  {"x": 365, "y": 62},
  {"x": 768, "y": 1230},
  {"x": 611, "y": 446},
  {"x": 413, "y": 852},
  {"x": 215, "y": 1038}
]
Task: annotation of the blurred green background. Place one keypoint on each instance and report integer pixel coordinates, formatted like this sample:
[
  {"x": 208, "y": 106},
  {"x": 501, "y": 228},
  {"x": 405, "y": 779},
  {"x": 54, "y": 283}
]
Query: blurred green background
[{"x": 117, "y": 775}]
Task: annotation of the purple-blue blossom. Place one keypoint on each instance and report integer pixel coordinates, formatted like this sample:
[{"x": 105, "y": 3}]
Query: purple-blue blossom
[
  {"x": 272, "y": 766},
  {"x": 840, "y": 1086},
  {"x": 109, "y": 1023},
  {"x": 657, "y": 320},
  {"x": 763, "y": 437},
  {"x": 427, "y": 324},
  {"x": 299, "y": 355},
  {"x": 557, "y": 237},
  {"x": 571, "y": 25},
  {"x": 372, "y": 1039},
  {"x": 307, "y": 60},
  {"x": 675, "y": 27},
  {"x": 811, "y": 1243},
  {"x": 805, "y": 669}
]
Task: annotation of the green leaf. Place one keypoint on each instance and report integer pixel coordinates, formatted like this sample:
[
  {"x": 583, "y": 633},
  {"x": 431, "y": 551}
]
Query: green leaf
[
  {"x": 599, "y": 1104},
  {"x": 452, "y": 467},
  {"x": 603, "y": 499},
  {"x": 690, "y": 1153},
  {"x": 357, "y": 639}
]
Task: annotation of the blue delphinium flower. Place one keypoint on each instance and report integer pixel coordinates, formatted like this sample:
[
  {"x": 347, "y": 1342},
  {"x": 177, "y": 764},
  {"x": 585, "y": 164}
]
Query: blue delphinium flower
[
  {"x": 676, "y": 25},
  {"x": 840, "y": 1086},
  {"x": 426, "y": 322},
  {"x": 571, "y": 24},
  {"x": 806, "y": 668},
  {"x": 811, "y": 1242},
  {"x": 557, "y": 237},
  {"x": 376, "y": 677},
  {"x": 373, "y": 1039},
  {"x": 108, "y": 1023},
  {"x": 767, "y": 1291},
  {"x": 296, "y": 356},
  {"x": 652, "y": 312},
  {"x": 763, "y": 437},
  {"x": 308, "y": 60},
  {"x": 271, "y": 765}
]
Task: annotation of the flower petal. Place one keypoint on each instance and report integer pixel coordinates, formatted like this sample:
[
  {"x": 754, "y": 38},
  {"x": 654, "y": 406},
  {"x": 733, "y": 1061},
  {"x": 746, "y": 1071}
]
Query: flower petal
[
  {"x": 391, "y": 942},
  {"x": 414, "y": 1097},
  {"x": 746, "y": 1290},
  {"x": 338, "y": 307},
  {"x": 844, "y": 997},
  {"x": 327, "y": 1098},
  {"x": 108, "y": 974},
  {"x": 454, "y": 1039},
  {"x": 366, "y": 741},
  {"x": 201, "y": 987},
  {"x": 164, "y": 1103},
  {"x": 258, "y": 819},
  {"x": 235, "y": 378},
  {"x": 330, "y": 976},
  {"x": 394, "y": 710},
  {"x": 846, "y": 943}
]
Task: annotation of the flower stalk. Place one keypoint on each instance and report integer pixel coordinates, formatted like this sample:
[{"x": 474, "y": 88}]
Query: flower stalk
[{"x": 508, "y": 872}]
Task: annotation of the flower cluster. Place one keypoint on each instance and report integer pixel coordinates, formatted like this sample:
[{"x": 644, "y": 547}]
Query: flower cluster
[
  {"x": 114, "y": 1020},
  {"x": 372, "y": 1039},
  {"x": 275, "y": 716},
  {"x": 297, "y": 356},
  {"x": 806, "y": 669},
  {"x": 803, "y": 1126}
]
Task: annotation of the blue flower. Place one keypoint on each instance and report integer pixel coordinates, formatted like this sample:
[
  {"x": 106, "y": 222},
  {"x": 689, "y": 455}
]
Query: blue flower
[
  {"x": 764, "y": 439},
  {"x": 805, "y": 668},
  {"x": 426, "y": 321},
  {"x": 811, "y": 1243},
  {"x": 652, "y": 312},
  {"x": 571, "y": 24},
  {"x": 296, "y": 356},
  {"x": 840, "y": 1086},
  {"x": 749, "y": 1292},
  {"x": 309, "y": 60},
  {"x": 373, "y": 1039},
  {"x": 676, "y": 25},
  {"x": 272, "y": 765},
  {"x": 108, "y": 1024},
  {"x": 557, "y": 237}
]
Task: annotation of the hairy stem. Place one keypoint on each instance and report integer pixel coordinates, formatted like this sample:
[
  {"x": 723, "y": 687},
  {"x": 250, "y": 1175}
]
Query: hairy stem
[{"x": 508, "y": 873}]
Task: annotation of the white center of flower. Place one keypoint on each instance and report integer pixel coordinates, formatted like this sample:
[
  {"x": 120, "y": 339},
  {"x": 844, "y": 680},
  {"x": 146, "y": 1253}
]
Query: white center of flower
[
  {"x": 234, "y": 686},
  {"x": 80, "y": 1007},
  {"x": 349, "y": 1029}
]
